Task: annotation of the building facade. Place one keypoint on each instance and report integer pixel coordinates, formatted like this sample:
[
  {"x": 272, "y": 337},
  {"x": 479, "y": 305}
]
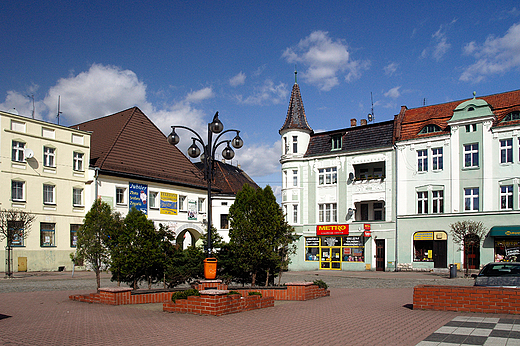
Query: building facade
[{"x": 44, "y": 172}]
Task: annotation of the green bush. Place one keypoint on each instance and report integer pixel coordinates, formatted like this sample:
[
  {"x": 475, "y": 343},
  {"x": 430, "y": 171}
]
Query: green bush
[
  {"x": 184, "y": 294},
  {"x": 255, "y": 293},
  {"x": 233, "y": 292},
  {"x": 320, "y": 283}
]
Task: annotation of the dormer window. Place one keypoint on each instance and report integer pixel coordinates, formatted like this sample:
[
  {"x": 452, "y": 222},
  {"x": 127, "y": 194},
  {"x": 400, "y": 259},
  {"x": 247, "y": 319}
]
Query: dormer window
[
  {"x": 512, "y": 116},
  {"x": 471, "y": 109},
  {"x": 430, "y": 129},
  {"x": 336, "y": 142}
]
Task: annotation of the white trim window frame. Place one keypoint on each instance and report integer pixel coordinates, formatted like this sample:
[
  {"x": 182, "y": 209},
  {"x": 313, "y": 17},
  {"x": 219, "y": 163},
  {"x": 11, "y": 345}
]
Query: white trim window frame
[
  {"x": 295, "y": 213},
  {"x": 471, "y": 199},
  {"x": 153, "y": 199},
  {"x": 295, "y": 177},
  {"x": 506, "y": 197},
  {"x": 49, "y": 194},
  {"x": 437, "y": 201},
  {"x": 49, "y": 157},
  {"x": 77, "y": 197},
  {"x": 78, "y": 161},
  {"x": 17, "y": 191},
  {"x": 506, "y": 150},
  {"x": 18, "y": 151},
  {"x": 422, "y": 202},
  {"x": 120, "y": 195},
  {"x": 328, "y": 212},
  {"x": 437, "y": 159},
  {"x": 422, "y": 160},
  {"x": 470, "y": 155},
  {"x": 328, "y": 176}
]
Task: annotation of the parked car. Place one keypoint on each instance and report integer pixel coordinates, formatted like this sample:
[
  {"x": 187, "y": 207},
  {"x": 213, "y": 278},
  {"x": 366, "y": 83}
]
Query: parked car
[{"x": 499, "y": 274}]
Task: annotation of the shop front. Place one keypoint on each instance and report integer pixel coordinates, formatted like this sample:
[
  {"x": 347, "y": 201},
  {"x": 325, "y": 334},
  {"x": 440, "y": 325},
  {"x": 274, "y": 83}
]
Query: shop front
[
  {"x": 506, "y": 243},
  {"x": 431, "y": 246},
  {"x": 333, "y": 247}
]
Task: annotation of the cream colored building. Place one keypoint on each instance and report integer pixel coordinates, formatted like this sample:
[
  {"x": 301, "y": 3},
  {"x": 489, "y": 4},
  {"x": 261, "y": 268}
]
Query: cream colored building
[{"x": 44, "y": 171}]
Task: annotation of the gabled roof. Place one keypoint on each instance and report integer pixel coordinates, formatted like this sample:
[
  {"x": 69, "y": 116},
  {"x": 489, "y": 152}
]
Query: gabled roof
[
  {"x": 411, "y": 121},
  {"x": 129, "y": 143},
  {"x": 365, "y": 137},
  {"x": 229, "y": 179},
  {"x": 296, "y": 119}
]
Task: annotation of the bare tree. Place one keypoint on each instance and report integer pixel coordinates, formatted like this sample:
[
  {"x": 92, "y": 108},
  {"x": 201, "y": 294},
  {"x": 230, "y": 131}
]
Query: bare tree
[
  {"x": 14, "y": 226},
  {"x": 468, "y": 233}
]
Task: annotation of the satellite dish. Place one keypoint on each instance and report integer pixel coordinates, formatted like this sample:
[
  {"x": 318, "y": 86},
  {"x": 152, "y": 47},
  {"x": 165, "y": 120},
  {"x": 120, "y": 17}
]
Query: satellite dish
[
  {"x": 29, "y": 154},
  {"x": 351, "y": 176}
]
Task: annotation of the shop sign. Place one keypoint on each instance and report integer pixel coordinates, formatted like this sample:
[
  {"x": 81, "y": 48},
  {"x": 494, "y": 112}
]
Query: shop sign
[
  {"x": 353, "y": 241},
  {"x": 423, "y": 236},
  {"x": 367, "y": 234},
  {"x": 138, "y": 196},
  {"x": 312, "y": 241},
  {"x": 168, "y": 203},
  {"x": 366, "y": 227},
  {"x": 332, "y": 230}
]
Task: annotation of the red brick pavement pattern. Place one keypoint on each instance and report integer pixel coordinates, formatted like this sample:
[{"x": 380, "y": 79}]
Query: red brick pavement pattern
[{"x": 347, "y": 317}]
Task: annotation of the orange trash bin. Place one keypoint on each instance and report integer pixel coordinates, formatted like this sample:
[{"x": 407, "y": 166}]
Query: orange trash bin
[{"x": 210, "y": 268}]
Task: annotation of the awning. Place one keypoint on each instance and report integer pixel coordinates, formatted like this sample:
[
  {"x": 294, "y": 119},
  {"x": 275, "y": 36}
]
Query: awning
[{"x": 505, "y": 231}]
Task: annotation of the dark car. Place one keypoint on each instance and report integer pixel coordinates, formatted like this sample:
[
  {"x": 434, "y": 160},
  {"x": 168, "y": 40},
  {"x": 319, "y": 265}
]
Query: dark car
[{"x": 499, "y": 274}]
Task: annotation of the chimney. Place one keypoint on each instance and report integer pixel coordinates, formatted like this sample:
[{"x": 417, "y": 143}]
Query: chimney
[
  {"x": 363, "y": 122},
  {"x": 352, "y": 122}
]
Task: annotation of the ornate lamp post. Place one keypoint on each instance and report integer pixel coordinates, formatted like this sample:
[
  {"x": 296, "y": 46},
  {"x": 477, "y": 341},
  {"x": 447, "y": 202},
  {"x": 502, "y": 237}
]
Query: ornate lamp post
[{"x": 208, "y": 156}]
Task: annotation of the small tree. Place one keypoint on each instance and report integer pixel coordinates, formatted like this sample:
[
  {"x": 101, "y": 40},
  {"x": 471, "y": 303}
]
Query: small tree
[
  {"x": 467, "y": 233},
  {"x": 93, "y": 237},
  {"x": 14, "y": 226}
]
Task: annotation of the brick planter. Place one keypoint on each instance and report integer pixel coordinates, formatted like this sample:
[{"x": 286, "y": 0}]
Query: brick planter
[{"x": 467, "y": 299}]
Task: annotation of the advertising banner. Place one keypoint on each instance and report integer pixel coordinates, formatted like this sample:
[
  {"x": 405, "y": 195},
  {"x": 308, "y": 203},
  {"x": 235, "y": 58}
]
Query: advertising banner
[
  {"x": 168, "y": 203},
  {"x": 138, "y": 196},
  {"x": 332, "y": 230},
  {"x": 192, "y": 209}
]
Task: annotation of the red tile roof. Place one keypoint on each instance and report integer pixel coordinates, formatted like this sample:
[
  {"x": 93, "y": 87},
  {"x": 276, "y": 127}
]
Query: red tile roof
[
  {"x": 229, "y": 179},
  {"x": 410, "y": 121},
  {"x": 129, "y": 143}
]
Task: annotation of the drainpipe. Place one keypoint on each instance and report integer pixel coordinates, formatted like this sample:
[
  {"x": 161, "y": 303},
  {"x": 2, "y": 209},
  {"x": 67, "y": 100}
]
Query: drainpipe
[
  {"x": 96, "y": 173},
  {"x": 396, "y": 214}
]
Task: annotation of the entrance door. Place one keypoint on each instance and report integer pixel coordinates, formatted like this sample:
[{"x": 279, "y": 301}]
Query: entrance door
[
  {"x": 330, "y": 258},
  {"x": 440, "y": 254},
  {"x": 472, "y": 248},
  {"x": 380, "y": 255}
]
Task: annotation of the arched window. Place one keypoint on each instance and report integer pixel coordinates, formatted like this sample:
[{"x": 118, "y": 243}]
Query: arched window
[
  {"x": 515, "y": 115},
  {"x": 430, "y": 129}
]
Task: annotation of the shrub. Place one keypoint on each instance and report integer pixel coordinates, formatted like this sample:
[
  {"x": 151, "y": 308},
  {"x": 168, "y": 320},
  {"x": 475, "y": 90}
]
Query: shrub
[
  {"x": 320, "y": 283},
  {"x": 253, "y": 293},
  {"x": 184, "y": 294},
  {"x": 233, "y": 292}
]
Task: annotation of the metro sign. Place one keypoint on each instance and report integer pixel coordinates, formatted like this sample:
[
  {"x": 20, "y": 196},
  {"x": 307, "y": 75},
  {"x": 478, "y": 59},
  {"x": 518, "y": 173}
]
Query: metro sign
[{"x": 332, "y": 230}]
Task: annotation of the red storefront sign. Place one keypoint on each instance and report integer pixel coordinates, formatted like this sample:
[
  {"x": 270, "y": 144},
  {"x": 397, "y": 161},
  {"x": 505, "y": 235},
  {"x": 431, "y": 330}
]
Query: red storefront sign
[
  {"x": 332, "y": 230},
  {"x": 367, "y": 234},
  {"x": 366, "y": 226}
]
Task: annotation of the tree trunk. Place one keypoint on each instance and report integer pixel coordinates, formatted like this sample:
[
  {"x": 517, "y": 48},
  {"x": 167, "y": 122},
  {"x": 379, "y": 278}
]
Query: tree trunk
[
  {"x": 267, "y": 279},
  {"x": 253, "y": 279},
  {"x": 98, "y": 278}
]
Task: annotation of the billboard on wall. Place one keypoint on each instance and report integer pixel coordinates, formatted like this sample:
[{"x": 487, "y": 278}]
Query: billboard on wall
[
  {"x": 332, "y": 230},
  {"x": 168, "y": 203},
  {"x": 138, "y": 195},
  {"x": 192, "y": 209}
]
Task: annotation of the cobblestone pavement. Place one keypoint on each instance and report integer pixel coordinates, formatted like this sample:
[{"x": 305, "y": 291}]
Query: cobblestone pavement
[{"x": 364, "y": 308}]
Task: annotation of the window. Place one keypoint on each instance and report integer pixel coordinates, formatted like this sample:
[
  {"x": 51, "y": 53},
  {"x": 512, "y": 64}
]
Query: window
[
  {"x": 48, "y": 157},
  {"x": 471, "y": 127},
  {"x": 336, "y": 142},
  {"x": 328, "y": 212},
  {"x": 77, "y": 197},
  {"x": 327, "y": 176},
  {"x": 378, "y": 172},
  {"x": 15, "y": 228},
  {"x": 152, "y": 198},
  {"x": 506, "y": 150},
  {"x": 285, "y": 212},
  {"x": 422, "y": 160},
  {"x": 47, "y": 234},
  {"x": 422, "y": 202},
  {"x": 201, "y": 205},
  {"x": 438, "y": 201},
  {"x": 295, "y": 213},
  {"x": 224, "y": 221},
  {"x": 120, "y": 195},
  {"x": 471, "y": 199},
  {"x": 378, "y": 211},
  {"x": 17, "y": 191},
  {"x": 295, "y": 177},
  {"x": 295, "y": 144},
  {"x": 18, "y": 151},
  {"x": 78, "y": 161},
  {"x": 363, "y": 173},
  {"x": 182, "y": 203},
  {"x": 285, "y": 178},
  {"x": 427, "y": 246},
  {"x": 74, "y": 235},
  {"x": 437, "y": 161},
  {"x": 471, "y": 155},
  {"x": 48, "y": 194},
  {"x": 506, "y": 197},
  {"x": 285, "y": 146},
  {"x": 430, "y": 129},
  {"x": 515, "y": 115}
]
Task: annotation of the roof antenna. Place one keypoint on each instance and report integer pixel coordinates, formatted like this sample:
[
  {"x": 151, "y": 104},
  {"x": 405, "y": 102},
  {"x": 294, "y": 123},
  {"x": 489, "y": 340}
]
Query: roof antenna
[
  {"x": 371, "y": 115},
  {"x": 32, "y": 98},
  {"x": 58, "y": 115}
]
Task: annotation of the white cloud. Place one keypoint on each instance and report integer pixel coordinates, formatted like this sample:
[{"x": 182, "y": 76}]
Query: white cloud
[
  {"x": 393, "y": 93},
  {"x": 325, "y": 59},
  {"x": 439, "y": 45},
  {"x": 260, "y": 160},
  {"x": 200, "y": 95},
  {"x": 268, "y": 92},
  {"x": 237, "y": 80},
  {"x": 497, "y": 55},
  {"x": 390, "y": 68}
]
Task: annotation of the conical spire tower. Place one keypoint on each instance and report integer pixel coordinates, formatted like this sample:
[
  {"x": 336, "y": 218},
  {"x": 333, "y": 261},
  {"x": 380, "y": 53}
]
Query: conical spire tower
[{"x": 296, "y": 119}]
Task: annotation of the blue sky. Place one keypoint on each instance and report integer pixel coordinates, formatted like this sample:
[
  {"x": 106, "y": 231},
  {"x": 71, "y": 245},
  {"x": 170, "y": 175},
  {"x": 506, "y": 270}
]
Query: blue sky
[{"x": 180, "y": 62}]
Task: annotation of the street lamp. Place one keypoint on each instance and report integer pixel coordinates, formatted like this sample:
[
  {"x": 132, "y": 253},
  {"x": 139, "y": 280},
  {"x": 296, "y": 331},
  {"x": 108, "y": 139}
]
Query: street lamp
[{"x": 208, "y": 156}]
